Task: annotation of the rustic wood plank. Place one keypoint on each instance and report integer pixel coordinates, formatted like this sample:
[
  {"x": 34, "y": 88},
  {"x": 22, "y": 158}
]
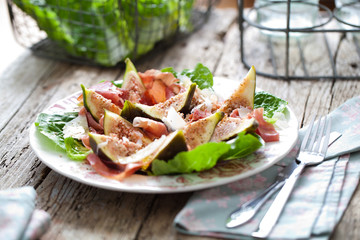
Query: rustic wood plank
[
  {"x": 230, "y": 65},
  {"x": 163, "y": 211},
  {"x": 348, "y": 56},
  {"x": 83, "y": 212},
  {"x": 20, "y": 166},
  {"x": 205, "y": 46},
  {"x": 18, "y": 82}
]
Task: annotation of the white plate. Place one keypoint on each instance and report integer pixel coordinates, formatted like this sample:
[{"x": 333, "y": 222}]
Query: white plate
[{"x": 223, "y": 173}]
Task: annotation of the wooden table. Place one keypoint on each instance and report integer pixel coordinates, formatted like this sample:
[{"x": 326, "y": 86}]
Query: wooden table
[{"x": 78, "y": 211}]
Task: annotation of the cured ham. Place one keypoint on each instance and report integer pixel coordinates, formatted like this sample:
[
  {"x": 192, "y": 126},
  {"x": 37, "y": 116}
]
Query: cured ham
[
  {"x": 153, "y": 128},
  {"x": 198, "y": 114},
  {"x": 93, "y": 124},
  {"x": 265, "y": 130},
  {"x": 160, "y": 86},
  {"x": 117, "y": 96},
  {"x": 109, "y": 91},
  {"x": 119, "y": 173}
]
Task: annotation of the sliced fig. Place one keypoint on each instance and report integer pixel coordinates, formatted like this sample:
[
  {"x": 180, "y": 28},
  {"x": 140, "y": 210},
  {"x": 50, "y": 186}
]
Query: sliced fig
[
  {"x": 96, "y": 104},
  {"x": 115, "y": 124},
  {"x": 181, "y": 103},
  {"x": 201, "y": 131},
  {"x": 114, "y": 150},
  {"x": 132, "y": 82},
  {"x": 230, "y": 127},
  {"x": 243, "y": 95}
]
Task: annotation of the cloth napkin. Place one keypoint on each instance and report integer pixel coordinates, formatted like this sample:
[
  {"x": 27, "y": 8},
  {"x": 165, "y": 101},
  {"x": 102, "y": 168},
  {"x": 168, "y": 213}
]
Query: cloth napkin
[
  {"x": 18, "y": 217},
  {"x": 315, "y": 206}
]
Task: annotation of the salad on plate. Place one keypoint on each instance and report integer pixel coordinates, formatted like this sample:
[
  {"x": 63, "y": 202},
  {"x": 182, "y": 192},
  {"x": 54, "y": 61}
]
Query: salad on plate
[{"x": 162, "y": 122}]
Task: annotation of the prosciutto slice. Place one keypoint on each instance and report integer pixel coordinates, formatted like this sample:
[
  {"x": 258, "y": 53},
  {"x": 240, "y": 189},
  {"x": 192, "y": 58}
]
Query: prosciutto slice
[
  {"x": 117, "y": 96},
  {"x": 119, "y": 174},
  {"x": 160, "y": 86},
  {"x": 265, "y": 130},
  {"x": 153, "y": 128},
  {"x": 109, "y": 91}
]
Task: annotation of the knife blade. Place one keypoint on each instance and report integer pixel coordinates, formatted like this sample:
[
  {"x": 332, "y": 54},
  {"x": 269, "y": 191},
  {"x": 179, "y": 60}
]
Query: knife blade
[{"x": 248, "y": 210}]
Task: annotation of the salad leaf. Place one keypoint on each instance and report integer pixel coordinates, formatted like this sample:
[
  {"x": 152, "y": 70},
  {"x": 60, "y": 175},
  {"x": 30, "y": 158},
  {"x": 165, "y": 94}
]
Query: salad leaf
[
  {"x": 118, "y": 83},
  {"x": 75, "y": 150},
  {"x": 270, "y": 103},
  {"x": 85, "y": 29},
  {"x": 52, "y": 125},
  {"x": 107, "y": 31},
  {"x": 201, "y": 75},
  {"x": 243, "y": 145},
  {"x": 207, "y": 155},
  {"x": 201, "y": 158},
  {"x": 170, "y": 70}
]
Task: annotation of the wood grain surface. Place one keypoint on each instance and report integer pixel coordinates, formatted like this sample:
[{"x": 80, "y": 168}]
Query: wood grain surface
[{"x": 78, "y": 211}]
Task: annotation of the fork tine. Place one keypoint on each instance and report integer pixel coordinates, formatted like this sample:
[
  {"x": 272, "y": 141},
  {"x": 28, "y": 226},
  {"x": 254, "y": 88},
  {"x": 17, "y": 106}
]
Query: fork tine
[
  {"x": 307, "y": 134},
  {"x": 315, "y": 134},
  {"x": 321, "y": 134},
  {"x": 327, "y": 137}
]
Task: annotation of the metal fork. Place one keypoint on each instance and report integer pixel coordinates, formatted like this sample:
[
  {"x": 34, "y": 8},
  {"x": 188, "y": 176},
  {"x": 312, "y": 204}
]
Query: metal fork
[{"x": 312, "y": 151}]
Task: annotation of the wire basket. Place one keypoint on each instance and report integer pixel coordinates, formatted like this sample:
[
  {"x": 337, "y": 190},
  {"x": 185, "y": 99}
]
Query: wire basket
[
  {"x": 103, "y": 32},
  {"x": 301, "y": 57}
]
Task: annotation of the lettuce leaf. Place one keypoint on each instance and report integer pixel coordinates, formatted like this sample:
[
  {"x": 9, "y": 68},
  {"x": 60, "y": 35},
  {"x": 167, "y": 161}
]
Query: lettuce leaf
[
  {"x": 207, "y": 155},
  {"x": 108, "y": 31},
  {"x": 201, "y": 158},
  {"x": 75, "y": 150},
  {"x": 118, "y": 83},
  {"x": 243, "y": 145},
  {"x": 52, "y": 126},
  {"x": 201, "y": 75},
  {"x": 270, "y": 103},
  {"x": 170, "y": 70}
]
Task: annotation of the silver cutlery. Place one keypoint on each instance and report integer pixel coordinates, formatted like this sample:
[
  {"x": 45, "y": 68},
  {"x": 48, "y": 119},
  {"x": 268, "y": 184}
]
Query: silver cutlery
[
  {"x": 312, "y": 151},
  {"x": 248, "y": 210}
]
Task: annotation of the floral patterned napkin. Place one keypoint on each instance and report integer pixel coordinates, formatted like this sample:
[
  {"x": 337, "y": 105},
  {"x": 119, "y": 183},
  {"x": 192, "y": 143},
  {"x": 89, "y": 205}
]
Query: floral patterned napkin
[
  {"x": 18, "y": 217},
  {"x": 316, "y": 205}
]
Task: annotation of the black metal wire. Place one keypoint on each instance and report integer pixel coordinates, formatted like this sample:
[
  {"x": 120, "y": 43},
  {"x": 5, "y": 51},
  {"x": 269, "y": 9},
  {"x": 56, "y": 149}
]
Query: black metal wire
[
  {"x": 318, "y": 28},
  {"x": 337, "y": 13}
]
